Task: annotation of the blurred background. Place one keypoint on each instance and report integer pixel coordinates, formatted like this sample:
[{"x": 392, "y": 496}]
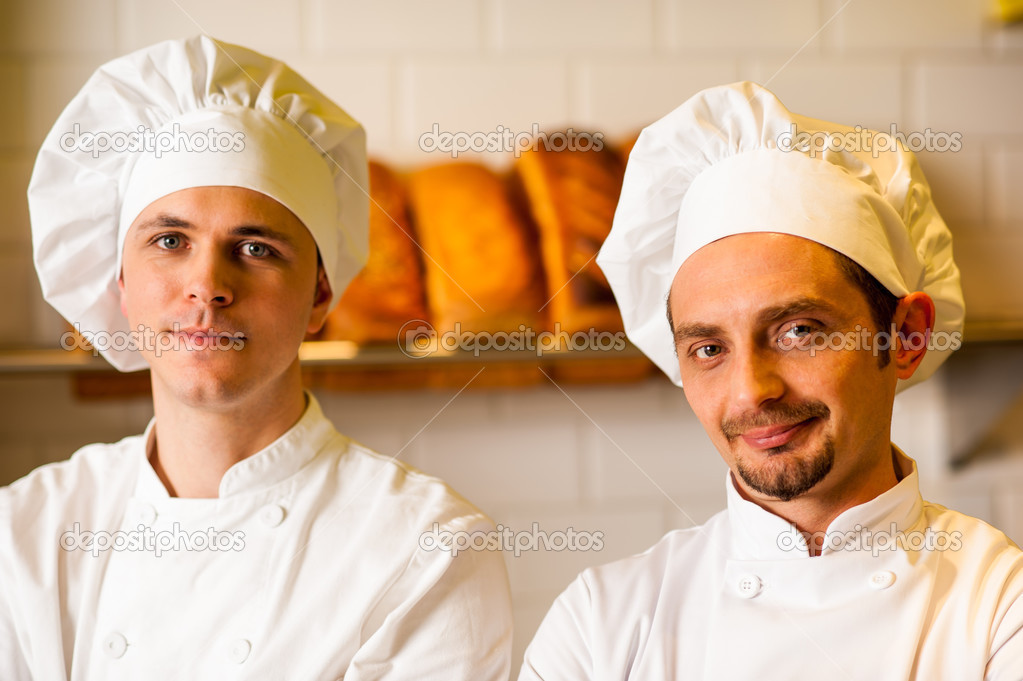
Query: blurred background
[{"x": 627, "y": 459}]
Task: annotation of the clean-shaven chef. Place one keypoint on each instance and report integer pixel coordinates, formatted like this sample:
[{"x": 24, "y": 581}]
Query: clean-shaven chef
[
  {"x": 807, "y": 277},
  {"x": 197, "y": 209}
]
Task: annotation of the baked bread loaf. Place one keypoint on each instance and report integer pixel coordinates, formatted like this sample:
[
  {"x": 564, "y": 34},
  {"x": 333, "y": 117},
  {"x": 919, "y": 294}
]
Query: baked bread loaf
[
  {"x": 572, "y": 197},
  {"x": 482, "y": 267},
  {"x": 625, "y": 148},
  {"x": 388, "y": 293}
]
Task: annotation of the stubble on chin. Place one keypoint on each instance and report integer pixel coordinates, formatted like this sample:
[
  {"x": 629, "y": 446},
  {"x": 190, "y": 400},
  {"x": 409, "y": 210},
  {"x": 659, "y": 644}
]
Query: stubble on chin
[{"x": 788, "y": 476}]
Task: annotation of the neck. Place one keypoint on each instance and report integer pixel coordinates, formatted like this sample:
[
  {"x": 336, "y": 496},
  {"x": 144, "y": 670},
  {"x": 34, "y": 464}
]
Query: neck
[
  {"x": 196, "y": 440},
  {"x": 812, "y": 513}
]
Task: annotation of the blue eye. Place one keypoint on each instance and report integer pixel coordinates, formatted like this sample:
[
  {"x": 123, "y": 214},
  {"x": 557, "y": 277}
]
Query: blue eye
[
  {"x": 257, "y": 250},
  {"x": 169, "y": 241}
]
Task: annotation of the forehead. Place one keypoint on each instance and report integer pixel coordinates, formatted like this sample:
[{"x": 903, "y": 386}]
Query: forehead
[
  {"x": 223, "y": 207},
  {"x": 755, "y": 271}
]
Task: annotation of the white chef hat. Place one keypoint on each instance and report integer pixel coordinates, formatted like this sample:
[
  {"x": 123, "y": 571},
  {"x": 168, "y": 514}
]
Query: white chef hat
[
  {"x": 731, "y": 160},
  {"x": 182, "y": 114}
]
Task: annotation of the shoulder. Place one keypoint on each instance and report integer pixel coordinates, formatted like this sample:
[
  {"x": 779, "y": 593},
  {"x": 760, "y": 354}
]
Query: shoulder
[
  {"x": 985, "y": 571},
  {"x": 38, "y": 508},
  {"x": 83, "y": 478},
  {"x": 980, "y": 555},
  {"x": 634, "y": 586},
  {"x": 609, "y": 612},
  {"x": 390, "y": 488},
  {"x": 960, "y": 533}
]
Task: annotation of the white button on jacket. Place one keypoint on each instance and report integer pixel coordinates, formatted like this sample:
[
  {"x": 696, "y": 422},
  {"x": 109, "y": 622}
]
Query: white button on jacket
[
  {"x": 308, "y": 566},
  {"x": 740, "y": 599}
]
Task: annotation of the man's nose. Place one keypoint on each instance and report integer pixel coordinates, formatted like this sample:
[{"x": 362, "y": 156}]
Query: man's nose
[
  {"x": 208, "y": 281},
  {"x": 755, "y": 378}
]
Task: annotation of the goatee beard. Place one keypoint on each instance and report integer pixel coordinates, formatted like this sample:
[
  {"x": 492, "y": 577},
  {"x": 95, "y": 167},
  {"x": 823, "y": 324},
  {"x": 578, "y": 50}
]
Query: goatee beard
[
  {"x": 784, "y": 479},
  {"x": 797, "y": 476}
]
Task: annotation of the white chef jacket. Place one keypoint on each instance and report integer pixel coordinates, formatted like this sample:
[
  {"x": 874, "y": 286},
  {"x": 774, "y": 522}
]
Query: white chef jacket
[
  {"x": 318, "y": 574},
  {"x": 741, "y": 599}
]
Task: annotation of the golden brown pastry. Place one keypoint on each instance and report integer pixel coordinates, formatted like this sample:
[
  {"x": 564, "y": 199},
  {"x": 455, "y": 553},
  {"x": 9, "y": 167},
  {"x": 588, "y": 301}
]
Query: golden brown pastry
[
  {"x": 572, "y": 196},
  {"x": 482, "y": 267},
  {"x": 388, "y": 293}
]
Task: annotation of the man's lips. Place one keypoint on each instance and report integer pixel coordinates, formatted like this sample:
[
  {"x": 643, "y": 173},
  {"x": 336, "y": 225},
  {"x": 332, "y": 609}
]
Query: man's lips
[
  {"x": 768, "y": 437},
  {"x": 196, "y": 332},
  {"x": 203, "y": 337}
]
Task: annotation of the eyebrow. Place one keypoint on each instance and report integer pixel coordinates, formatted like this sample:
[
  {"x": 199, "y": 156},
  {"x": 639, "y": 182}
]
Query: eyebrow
[
  {"x": 163, "y": 221},
  {"x": 687, "y": 330},
  {"x": 167, "y": 221}
]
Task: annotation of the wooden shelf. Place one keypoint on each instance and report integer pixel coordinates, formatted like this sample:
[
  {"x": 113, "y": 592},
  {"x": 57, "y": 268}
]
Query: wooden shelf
[
  {"x": 323, "y": 354},
  {"x": 343, "y": 365}
]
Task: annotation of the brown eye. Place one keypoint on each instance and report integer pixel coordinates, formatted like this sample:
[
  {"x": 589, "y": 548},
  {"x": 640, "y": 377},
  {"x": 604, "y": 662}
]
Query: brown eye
[{"x": 708, "y": 351}]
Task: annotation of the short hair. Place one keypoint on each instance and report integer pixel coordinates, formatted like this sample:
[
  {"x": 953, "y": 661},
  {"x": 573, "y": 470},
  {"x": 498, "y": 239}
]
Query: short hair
[{"x": 881, "y": 301}]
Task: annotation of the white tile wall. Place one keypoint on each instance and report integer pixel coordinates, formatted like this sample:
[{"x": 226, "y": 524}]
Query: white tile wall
[
  {"x": 869, "y": 26},
  {"x": 15, "y": 170},
  {"x": 52, "y": 82},
  {"x": 396, "y": 26},
  {"x": 15, "y": 269},
  {"x": 13, "y": 119},
  {"x": 537, "y": 466},
  {"x": 572, "y": 26},
  {"x": 539, "y": 455},
  {"x": 990, "y": 262},
  {"x": 670, "y": 454},
  {"x": 273, "y": 27},
  {"x": 864, "y": 91},
  {"x": 1008, "y": 508},
  {"x": 1006, "y": 39},
  {"x": 365, "y": 85},
  {"x": 61, "y": 27},
  {"x": 478, "y": 95},
  {"x": 974, "y": 97},
  {"x": 612, "y": 99},
  {"x": 1005, "y": 170},
  {"x": 744, "y": 26},
  {"x": 958, "y": 186}
]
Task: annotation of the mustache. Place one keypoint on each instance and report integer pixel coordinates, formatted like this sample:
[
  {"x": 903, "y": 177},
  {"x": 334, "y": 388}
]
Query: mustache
[{"x": 773, "y": 415}]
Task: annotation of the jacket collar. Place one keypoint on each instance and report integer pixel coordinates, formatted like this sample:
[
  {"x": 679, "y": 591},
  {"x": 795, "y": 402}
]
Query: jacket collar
[
  {"x": 758, "y": 534},
  {"x": 275, "y": 463}
]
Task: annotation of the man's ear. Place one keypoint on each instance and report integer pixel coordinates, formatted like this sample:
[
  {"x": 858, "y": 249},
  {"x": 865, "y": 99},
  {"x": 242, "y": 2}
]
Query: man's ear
[
  {"x": 912, "y": 322},
  {"x": 321, "y": 301}
]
